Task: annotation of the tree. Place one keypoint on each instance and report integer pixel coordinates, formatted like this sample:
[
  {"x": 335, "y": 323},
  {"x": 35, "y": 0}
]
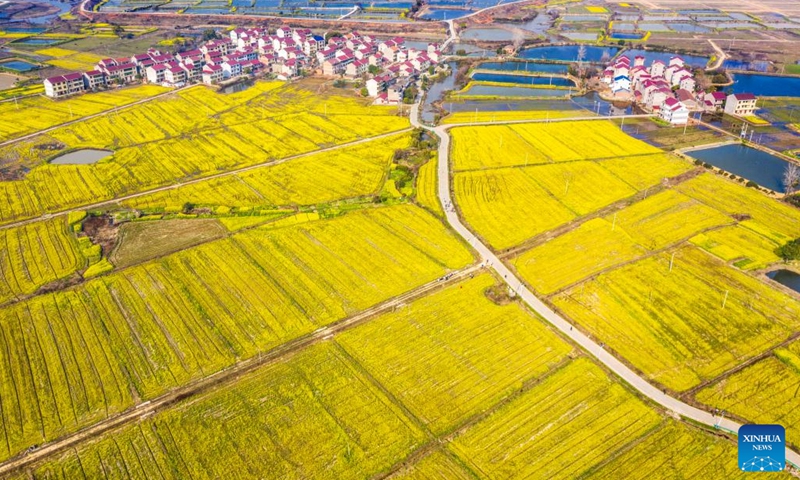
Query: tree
[
  {"x": 364, "y": 92},
  {"x": 790, "y": 251},
  {"x": 461, "y": 52},
  {"x": 791, "y": 178},
  {"x": 209, "y": 34},
  {"x": 118, "y": 30},
  {"x": 329, "y": 35},
  {"x": 374, "y": 69},
  {"x": 581, "y": 56},
  {"x": 410, "y": 94}
]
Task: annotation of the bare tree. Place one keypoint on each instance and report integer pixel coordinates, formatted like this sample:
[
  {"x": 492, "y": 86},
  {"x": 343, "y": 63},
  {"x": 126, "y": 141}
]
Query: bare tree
[
  {"x": 791, "y": 178},
  {"x": 581, "y": 57}
]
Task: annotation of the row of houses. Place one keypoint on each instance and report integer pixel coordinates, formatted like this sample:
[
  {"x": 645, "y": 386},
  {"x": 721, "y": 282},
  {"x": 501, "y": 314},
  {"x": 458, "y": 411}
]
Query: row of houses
[{"x": 245, "y": 51}]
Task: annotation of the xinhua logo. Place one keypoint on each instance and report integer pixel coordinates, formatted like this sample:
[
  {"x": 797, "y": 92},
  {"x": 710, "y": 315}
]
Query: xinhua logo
[{"x": 762, "y": 448}]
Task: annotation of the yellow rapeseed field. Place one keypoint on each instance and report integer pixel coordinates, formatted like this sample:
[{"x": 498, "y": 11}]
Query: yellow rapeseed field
[
  {"x": 323, "y": 417},
  {"x": 666, "y": 218},
  {"x": 427, "y": 187},
  {"x": 198, "y": 132},
  {"x": 698, "y": 319},
  {"x": 747, "y": 249},
  {"x": 593, "y": 247},
  {"x": 507, "y": 206},
  {"x": 453, "y": 354},
  {"x": 575, "y": 413},
  {"x": 765, "y": 392}
]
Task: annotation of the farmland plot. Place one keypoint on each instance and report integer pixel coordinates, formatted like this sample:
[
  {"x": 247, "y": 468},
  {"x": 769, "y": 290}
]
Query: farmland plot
[
  {"x": 427, "y": 186},
  {"x": 453, "y": 354},
  {"x": 673, "y": 448},
  {"x": 560, "y": 428},
  {"x": 507, "y": 206},
  {"x": 82, "y": 354},
  {"x": 34, "y": 255},
  {"x": 171, "y": 139},
  {"x": 260, "y": 427},
  {"x": 765, "y": 392},
  {"x": 592, "y": 247},
  {"x": 698, "y": 319}
]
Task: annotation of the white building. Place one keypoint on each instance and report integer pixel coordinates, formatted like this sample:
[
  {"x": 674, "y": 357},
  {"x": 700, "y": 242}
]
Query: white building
[
  {"x": 64, "y": 85},
  {"x": 674, "y": 112},
  {"x": 740, "y": 104}
]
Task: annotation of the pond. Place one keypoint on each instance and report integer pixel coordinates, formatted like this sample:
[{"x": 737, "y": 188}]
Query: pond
[
  {"x": 445, "y": 14},
  {"x": 81, "y": 157},
  {"x": 487, "y": 34},
  {"x": 558, "y": 68},
  {"x": 511, "y": 91},
  {"x": 688, "y": 27},
  {"x": 524, "y": 79},
  {"x": 436, "y": 92},
  {"x": 787, "y": 278},
  {"x": 568, "y": 53},
  {"x": 511, "y": 106},
  {"x": 18, "y": 66},
  {"x": 651, "y": 56},
  {"x": 627, "y": 36},
  {"x": 765, "y": 85},
  {"x": 38, "y": 41},
  {"x": 754, "y": 165}
]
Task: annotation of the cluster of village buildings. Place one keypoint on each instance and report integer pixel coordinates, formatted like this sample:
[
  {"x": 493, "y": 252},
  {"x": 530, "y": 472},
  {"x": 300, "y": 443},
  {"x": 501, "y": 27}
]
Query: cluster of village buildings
[
  {"x": 286, "y": 54},
  {"x": 670, "y": 90}
]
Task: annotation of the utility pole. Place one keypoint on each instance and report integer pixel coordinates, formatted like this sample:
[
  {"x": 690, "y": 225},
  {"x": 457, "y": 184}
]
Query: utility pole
[
  {"x": 614, "y": 223},
  {"x": 725, "y": 300},
  {"x": 671, "y": 260}
]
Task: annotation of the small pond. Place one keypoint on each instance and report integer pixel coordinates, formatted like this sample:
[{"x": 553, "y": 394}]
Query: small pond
[
  {"x": 81, "y": 157},
  {"x": 487, "y": 34},
  {"x": 558, "y": 68},
  {"x": 445, "y": 14},
  {"x": 524, "y": 79},
  {"x": 568, "y": 53},
  {"x": 760, "y": 167},
  {"x": 787, "y": 278},
  {"x": 18, "y": 66},
  {"x": 510, "y": 91},
  {"x": 38, "y": 41}
]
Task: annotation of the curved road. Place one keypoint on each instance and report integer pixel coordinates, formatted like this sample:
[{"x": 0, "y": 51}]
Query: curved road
[{"x": 607, "y": 359}]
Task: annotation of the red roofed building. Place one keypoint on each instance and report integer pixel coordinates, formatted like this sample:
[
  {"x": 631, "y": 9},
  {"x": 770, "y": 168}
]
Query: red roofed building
[
  {"x": 64, "y": 85},
  {"x": 740, "y": 104}
]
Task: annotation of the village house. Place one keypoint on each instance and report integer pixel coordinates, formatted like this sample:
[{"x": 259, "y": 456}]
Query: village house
[
  {"x": 93, "y": 79},
  {"x": 212, "y": 74},
  {"x": 674, "y": 112},
  {"x": 740, "y": 104},
  {"x": 714, "y": 101},
  {"x": 155, "y": 73},
  {"x": 64, "y": 85}
]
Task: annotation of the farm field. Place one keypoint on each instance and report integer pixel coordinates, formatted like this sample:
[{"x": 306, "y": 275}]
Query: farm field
[
  {"x": 141, "y": 241},
  {"x": 354, "y": 171},
  {"x": 317, "y": 394},
  {"x": 679, "y": 315},
  {"x": 592, "y": 247},
  {"x": 765, "y": 392},
  {"x": 70, "y": 59},
  {"x": 535, "y": 177},
  {"x": 435, "y": 466},
  {"x": 667, "y": 217},
  {"x": 450, "y": 355},
  {"x": 32, "y": 114},
  {"x": 427, "y": 187},
  {"x": 775, "y": 220},
  {"x": 78, "y": 356},
  {"x": 166, "y": 141},
  {"x": 745, "y": 248},
  {"x": 34, "y": 255},
  {"x": 532, "y": 143},
  {"x": 673, "y": 448},
  {"x": 561, "y": 428},
  {"x": 510, "y": 116},
  {"x": 507, "y": 206}
]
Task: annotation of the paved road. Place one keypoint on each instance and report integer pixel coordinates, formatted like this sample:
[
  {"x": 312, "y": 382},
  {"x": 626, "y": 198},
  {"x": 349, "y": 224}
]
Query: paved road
[
  {"x": 588, "y": 344},
  {"x": 196, "y": 180}
]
